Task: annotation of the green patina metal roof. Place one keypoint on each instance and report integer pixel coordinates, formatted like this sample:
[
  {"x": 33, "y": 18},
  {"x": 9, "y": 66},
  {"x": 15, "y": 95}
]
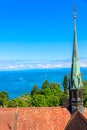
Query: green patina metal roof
[{"x": 76, "y": 81}]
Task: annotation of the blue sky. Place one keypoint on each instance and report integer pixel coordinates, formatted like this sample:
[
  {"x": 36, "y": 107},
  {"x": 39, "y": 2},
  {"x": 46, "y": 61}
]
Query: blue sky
[{"x": 41, "y": 29}]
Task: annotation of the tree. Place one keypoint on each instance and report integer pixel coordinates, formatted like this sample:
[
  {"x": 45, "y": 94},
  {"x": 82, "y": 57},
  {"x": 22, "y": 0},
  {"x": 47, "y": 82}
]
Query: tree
[
  {"x": 85, "y": 93},
  {"x": 46, "y": 84},
  {"x": 63, "y": 98},
  {"x": 52, "y": 100},
  {"x": 55, "y": 85},
  {"x": 3, "y": 98},
  {"x": 35, "y": 90},
  {"x": 46, "y": 92},
  {"x": 65, "y": 83},
  {"x": 28, "y": 99},
  {"x": 20, "y": 102},
  {"x": 55, "y": 89},
  {"x": 38, "y": 100},
  {"x": 12, "y": 103}
]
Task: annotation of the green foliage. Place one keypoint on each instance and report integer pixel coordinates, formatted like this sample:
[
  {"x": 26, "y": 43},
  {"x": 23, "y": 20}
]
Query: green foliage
[
  {"x": 52, "y": 101},
  {"x": 35, "y": 90},
  {"x": 12, "y": 103},
  {"x": 63, "y": 98},
  {"x": 49, "y": 95},
  {"x": 28, "y": 99},
  {"x": 55, "y": 85},
  {"x": 65, "y": 83},
  {"x": 55, "y": 89},
  {"x": 85, "y": 93},
  {"x": 3, "y": 98},
  {"x": 46, "y": 84},
  {"x": 23, "y": 101},
  {"x": 38, "y": 101}
]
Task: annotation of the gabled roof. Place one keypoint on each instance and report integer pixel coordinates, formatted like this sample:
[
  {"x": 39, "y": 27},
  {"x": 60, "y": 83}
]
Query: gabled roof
[
  {"x": 36, "y": 118},
  {"x": 41, "y": 118},
  {"x": 45, "y": 118},
  {"x": 77, "y": 122}
]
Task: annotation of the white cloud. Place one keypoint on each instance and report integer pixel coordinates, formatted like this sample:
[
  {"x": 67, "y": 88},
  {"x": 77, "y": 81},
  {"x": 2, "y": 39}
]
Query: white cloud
[
  {"x": 11, "y": 67},
  {"x": 22, "y": 64}
]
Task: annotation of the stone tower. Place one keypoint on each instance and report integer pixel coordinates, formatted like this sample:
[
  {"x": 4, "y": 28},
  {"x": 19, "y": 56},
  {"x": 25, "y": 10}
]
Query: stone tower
[{"x": 75, "y": 82}]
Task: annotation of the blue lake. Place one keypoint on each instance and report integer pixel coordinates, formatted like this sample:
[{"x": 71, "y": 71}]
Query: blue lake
[{"x": 17, "y": 83}]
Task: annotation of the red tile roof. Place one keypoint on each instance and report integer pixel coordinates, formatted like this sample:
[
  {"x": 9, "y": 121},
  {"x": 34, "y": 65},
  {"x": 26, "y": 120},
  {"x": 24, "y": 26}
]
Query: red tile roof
[
  {"x": 35, "y": 118},
  {"x": 48, "y": 118},
  {"x": 7, "y": 119}
]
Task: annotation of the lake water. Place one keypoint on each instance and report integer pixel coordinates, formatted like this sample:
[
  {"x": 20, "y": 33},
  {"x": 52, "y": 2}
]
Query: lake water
[{"x": 17, "y": 83}]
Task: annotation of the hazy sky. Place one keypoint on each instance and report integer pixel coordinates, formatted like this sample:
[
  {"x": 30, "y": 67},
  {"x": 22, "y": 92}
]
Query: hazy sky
[{"x": 41, "y": 29}]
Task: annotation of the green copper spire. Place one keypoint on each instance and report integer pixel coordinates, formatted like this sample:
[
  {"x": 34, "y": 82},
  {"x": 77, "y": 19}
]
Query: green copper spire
[{"x": 76, "y": 82}]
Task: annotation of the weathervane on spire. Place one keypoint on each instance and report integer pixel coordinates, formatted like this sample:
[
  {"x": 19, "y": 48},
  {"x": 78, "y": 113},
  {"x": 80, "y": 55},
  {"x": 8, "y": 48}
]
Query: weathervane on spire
[{"x": 75, "y": 12}]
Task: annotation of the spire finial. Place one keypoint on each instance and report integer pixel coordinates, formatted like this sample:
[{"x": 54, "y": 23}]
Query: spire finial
[{"x": 75, "y": 12}]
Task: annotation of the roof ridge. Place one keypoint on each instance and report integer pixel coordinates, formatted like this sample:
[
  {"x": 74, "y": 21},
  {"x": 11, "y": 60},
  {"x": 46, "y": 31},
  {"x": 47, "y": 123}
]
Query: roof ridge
[
  {"x": 82, "y": 116},
  {"x": 74, "y": 115},
  {"x": 16, "y": 119}
]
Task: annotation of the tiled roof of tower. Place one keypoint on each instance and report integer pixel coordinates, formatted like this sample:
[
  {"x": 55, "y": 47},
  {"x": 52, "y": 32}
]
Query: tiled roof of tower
[
  {"x": 41, "y": 118},
  {"x": 77, "y": 122}
]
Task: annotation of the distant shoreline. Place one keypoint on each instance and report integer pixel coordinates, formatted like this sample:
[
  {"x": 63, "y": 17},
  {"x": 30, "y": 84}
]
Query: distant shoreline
[{"x": 42, "y": 69}]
